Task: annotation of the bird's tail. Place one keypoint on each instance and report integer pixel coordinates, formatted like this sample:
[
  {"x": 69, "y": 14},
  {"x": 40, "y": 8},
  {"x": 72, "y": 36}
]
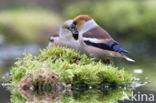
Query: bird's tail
[
  {"x": 114, "y": 46},
  {"x": 128, "y": 59},
  {"x": 119, "y": 49},
  {"x": 117, "y": 54}
]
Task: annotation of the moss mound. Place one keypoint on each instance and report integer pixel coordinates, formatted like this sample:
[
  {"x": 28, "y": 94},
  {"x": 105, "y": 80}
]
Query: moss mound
[
  {"x": 51, "y": 75},
  {"x": 68, "y": 67}
]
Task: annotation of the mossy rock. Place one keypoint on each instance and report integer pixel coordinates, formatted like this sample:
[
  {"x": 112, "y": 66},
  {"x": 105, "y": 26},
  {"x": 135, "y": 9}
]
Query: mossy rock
[
  {"x": 59, "y": 67},
  {"x": 70, "y": 68}
]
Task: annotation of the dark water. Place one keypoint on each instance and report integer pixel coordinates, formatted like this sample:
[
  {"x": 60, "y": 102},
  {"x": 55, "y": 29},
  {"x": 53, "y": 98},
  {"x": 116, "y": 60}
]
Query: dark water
[
  {"x": 109, "y": 95},
  {"x": 145, "y": 70},
  {"x": 4, "y": 95}
]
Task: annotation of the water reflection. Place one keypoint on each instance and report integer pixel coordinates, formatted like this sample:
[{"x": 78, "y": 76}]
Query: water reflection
[
  {"x": 145, "y": 70},
  {"x": 73, "y": 96},
  {"x": 26, "y": 92}
]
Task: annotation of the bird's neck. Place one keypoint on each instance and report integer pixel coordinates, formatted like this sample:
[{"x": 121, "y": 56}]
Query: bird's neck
[{"x": 88, "y": 25}]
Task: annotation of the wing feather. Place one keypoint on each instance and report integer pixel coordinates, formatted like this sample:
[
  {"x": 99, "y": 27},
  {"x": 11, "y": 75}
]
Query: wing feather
[
  {"x": 98, "y": 33},
  {"x": 99, "y": 38}
]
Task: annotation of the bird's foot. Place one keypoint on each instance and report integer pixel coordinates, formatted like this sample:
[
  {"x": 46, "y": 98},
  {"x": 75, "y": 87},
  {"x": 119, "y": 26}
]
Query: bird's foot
[{"x": 108, "y": 61}]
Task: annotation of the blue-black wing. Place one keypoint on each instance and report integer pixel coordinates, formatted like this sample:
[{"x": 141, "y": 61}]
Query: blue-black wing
[{"x": 113, "y": 46}]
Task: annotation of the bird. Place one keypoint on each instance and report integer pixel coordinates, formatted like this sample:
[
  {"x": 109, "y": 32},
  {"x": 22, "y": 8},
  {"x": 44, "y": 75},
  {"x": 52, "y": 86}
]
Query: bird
[
  {"x": 55, "y": 41},
  {"x": 95, "y": 40},
  {"x": 65, "y": 37}
]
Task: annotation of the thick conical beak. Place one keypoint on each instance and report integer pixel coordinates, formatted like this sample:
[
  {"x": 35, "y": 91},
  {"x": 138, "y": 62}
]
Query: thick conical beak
[
  {"x": 74, "y": 31},
  {"x": 51, "y": 39}
]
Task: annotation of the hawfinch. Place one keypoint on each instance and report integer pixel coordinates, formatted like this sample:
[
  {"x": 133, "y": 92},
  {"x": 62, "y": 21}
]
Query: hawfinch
[
  {"x": 95, "y": 40},
  {"x": 65, "y": 37},
  {"x": 54, "y": 41}
]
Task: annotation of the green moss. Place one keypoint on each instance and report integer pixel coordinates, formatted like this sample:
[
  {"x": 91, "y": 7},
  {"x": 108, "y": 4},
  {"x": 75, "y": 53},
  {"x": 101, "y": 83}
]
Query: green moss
[
  {"x": 64, "y": 55},
  {"x": 70, "y": 66},
  {"x": 16, "y": 97}
]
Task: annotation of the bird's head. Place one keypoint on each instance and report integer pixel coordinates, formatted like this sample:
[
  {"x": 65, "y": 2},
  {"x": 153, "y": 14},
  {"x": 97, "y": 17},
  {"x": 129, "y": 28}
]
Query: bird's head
[
  {"x": 65, "y": 30},
  {"x": 55, "y": 41},
  {"x": 78, "y": 23},
  {"x": 52, "y": 39}
]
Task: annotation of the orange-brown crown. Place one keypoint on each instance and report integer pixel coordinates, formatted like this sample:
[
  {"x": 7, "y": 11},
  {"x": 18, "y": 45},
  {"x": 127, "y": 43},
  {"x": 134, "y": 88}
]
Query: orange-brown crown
[{"x": 82, "y": 17}]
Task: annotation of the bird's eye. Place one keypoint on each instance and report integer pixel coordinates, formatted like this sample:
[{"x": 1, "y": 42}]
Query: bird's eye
[{"x": 66, "y": 27}]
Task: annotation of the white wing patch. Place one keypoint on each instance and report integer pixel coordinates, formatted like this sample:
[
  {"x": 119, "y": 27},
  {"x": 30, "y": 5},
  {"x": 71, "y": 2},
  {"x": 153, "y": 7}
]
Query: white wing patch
[{"x": 94, "y": 40}]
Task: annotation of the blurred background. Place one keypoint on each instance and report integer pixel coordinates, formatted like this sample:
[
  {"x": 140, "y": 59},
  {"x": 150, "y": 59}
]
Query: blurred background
[{"x": 26, "y": 25}]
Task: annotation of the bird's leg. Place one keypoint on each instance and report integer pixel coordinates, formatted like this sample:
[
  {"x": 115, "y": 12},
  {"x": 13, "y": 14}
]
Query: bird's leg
[{"x": 108, "y": 61}]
